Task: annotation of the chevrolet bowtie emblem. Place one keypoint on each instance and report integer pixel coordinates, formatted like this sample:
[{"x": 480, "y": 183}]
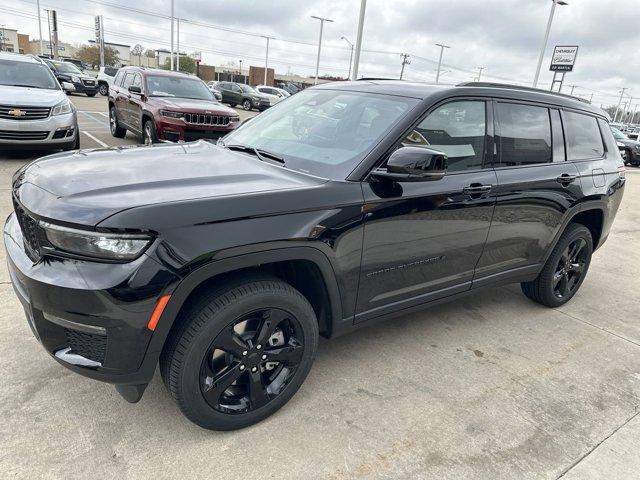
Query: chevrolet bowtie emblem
[{"x": 16, "y": 112}]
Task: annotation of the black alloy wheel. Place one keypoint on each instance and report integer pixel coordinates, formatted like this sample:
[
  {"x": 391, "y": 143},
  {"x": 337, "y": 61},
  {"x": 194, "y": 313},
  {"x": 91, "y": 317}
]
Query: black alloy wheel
[
  {"x": 570, "y": 268},
  {"x": 251, "y": 361}
]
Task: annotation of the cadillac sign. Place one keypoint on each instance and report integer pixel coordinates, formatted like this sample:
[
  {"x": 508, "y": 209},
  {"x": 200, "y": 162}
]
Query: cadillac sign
[{"x": 564, "y": 57}]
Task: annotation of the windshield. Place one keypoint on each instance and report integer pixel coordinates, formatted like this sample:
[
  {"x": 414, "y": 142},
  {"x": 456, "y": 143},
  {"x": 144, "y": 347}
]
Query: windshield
[
  {"x": 66, "y": 67},
  {"x": 248, "y": 89},
  {"x": 323, "y": 132},
  {"x": 25, "y": 74},
  {"x": 618, "y": 135},
  {"x": 183, "y": 87}
]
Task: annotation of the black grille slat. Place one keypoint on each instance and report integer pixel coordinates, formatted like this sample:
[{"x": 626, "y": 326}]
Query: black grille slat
[
  {"x": 21, "y": 135},
  {"x": 213, "y": 120},
  {"x": 87, "y": 345},
  {"x": 29, "y": 228},
  {"x": 28, "y": 113}
]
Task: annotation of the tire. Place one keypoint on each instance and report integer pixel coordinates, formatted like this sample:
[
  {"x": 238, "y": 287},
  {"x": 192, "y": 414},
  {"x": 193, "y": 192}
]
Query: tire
[
  {"x": 563, "y": 268},
  {"x": 149, "y": 136},
  {"x": 233, "y": 105},
  {"x": 73, "y": 146},
  {"x": 91, "y": 94},
  {"x": 190, "y": 353},
  {"x": 246, "y": 105},
  {"x": 103, "y": 88},
  {"x": 626, "y": 156},
  {"x": 116, "y": 130}
]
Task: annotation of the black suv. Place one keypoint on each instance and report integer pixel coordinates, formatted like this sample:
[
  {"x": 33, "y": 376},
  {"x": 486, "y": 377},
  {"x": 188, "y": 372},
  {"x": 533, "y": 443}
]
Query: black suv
[
  {"x": 68, "y": 72},
  {"x": 341, "y": 207}
]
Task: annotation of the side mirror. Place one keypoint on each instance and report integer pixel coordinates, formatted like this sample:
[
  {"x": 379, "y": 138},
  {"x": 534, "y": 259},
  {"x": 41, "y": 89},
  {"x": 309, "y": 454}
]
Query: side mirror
[
  {"x": 68, "y": 87},
  {"x": 135, "y": 89},
  {"x": 413, "y": 164}
]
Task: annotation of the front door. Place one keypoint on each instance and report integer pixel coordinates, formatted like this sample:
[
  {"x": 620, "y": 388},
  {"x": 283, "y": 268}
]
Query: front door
[{"x": 422, "y": 240}]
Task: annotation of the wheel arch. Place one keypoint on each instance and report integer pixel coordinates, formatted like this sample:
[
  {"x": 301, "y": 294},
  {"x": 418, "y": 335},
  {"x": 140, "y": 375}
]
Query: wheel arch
[
  {"x": 593, "y": 219},
  {"x": 305, "y": 268}
]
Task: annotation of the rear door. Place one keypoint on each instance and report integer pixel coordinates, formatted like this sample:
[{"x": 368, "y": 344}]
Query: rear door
[
  {"x": 122, "y": 99},
  {"x": 536, "y": 188},
  {"x": 136, "y": 104}
]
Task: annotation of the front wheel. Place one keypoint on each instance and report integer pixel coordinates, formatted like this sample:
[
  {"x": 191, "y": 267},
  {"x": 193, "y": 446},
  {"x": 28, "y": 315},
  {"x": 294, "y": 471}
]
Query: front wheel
[
  {"x": 91, "y": 94},
  {"x": 149, "y": 136},
  {"x": 565, "y": 270},
  {"x": 116, "y": 130},
  {"x": 246, "y": 105},
  {"x": 240, "y": 353}
]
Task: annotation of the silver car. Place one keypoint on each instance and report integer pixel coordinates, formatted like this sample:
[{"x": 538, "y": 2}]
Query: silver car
[{"x": 34, "y": 109}]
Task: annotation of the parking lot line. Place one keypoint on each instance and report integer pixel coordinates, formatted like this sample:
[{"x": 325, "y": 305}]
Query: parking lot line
[
  {"x": 90, "y": 115},
  {"x": 99, "y": 142}
]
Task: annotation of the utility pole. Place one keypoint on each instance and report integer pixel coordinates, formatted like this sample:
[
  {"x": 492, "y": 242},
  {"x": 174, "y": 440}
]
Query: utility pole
[
  {"x": 615, "y": 117},
  {"x": 322, "y": 20},
  {"x": 480, "y": 69},
  {"x": 572, "y": 88},
  {"x": 266, "y": 60},
  {"x": 172, "y": 51},
  {"x": 54, "y": 22},
  {"x": 178, "y": 44},
  {"x": 546, "y": 39},
  {"x": 405, "y": 61},
  {"x": 442, "y": 47},
  {"x": 356, "y": 60},
  {"x": 49, "y": 28},
  {"x": 40, "y": 29},
  {"x": 240, "y": 61},
  {"x": 350, "y": 56}
]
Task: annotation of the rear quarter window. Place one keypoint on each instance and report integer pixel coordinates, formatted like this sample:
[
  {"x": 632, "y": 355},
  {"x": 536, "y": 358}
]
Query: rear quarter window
[{"x": 582, "y": 136}]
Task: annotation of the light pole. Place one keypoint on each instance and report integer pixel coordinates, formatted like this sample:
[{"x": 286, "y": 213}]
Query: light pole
[
  {"x": 350, "y": 56},
  {"x": 322, "y": 20},
  {"x": 356, "y": 60},
  {"x": 266, "y": 59},
  {"x": 49, "y": 27},
  {"x": 178, "y": 44},
  {"x": 405, "y": 61},
  {"x": 40, "y": 29},
  {"x": 442, "y": 47},
  {"x": 240, "y": 61},
  {"x": 546, "y": 38},
  {"x": 480, "y": 69},
  {"x": 171, "y": 62}
]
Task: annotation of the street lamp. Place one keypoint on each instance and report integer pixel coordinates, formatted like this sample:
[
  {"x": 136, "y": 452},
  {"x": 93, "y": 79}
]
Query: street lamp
[
  {"x": 356, "y": 60},
  {"x": 350, "y": 56},
  {"x": 322, "y": 20},
  {"x": 546, "y": 38},
  {"x": 266, "y": 59},
  {"x": 442, "y": 47}
]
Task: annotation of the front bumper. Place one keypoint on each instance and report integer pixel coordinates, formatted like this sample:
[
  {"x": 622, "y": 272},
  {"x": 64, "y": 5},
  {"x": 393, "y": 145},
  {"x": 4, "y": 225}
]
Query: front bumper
[
  {"x": 53, "y": 131},
  {"x": 175, "y": 130},
  {"x": 82, "y": 87},
  {"x": 91, "y": 317}
]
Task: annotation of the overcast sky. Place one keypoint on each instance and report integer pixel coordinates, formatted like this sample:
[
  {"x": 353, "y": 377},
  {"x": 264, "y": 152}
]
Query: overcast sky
[{"x": 504, "y": 36}]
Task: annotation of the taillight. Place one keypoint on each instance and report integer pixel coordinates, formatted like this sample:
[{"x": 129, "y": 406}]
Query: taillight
[{"x": 622, "y": 171}]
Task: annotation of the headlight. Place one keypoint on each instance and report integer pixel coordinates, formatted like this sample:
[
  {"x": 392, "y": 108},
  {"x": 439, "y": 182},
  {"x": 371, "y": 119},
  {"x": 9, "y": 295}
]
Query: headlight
[
  {"x": 167, "y": 113},
  {"x": 63, "y": 107},
  {"x": 106, "y": 246},
  {"x": 234, "y": 119},
  {"x": 621, "y": 145},
  {"x": 75, "y": 79}
]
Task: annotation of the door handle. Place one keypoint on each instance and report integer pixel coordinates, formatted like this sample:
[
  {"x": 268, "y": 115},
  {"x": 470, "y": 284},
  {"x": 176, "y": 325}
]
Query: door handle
[
  {"x": 565, "y": 178},
  {"x": 476, "y": 189}
]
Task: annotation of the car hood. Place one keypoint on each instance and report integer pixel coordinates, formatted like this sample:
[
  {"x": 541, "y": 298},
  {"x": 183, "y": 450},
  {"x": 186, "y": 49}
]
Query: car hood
[
  {"x": 30, "y": 97},
  {"x": 191, "y": 104},
  {"x": 628, "y": 142},
  {"x": 88, "y": 186}
]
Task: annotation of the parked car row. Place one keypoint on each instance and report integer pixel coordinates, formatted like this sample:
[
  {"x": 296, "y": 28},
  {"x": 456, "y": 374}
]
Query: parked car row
[{"x": 629, "y": 149}]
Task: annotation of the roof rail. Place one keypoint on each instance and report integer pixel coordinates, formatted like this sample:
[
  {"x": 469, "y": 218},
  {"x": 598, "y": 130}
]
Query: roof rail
[{"x": 518, "y": 87}]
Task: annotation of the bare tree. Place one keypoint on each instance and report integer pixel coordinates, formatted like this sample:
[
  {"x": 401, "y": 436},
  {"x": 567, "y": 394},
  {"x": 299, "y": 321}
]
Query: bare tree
[{"x": 137, "y": 51}]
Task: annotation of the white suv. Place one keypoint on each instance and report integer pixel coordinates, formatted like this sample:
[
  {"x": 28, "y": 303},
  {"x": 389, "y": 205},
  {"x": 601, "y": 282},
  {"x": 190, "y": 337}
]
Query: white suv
[
  {"x": 34, "y": 110},
  {"x": 105, "y": 77}
]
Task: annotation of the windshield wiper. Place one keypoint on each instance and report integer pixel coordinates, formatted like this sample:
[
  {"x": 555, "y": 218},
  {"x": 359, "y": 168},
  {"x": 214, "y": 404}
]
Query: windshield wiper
[
  {"x": 23, "y": 85},
  {"x": 263, "y": 155}
]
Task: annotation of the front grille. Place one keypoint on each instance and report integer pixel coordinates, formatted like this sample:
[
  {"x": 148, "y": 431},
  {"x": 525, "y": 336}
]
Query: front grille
[
  {"x": 199, "y": 119},
  {"x": 24, "y": 113},
  {"x": 22, "y": 135},
  {"x": 29, "y": 227},
  {"x": 89, "y": 83},
  {"x": 87, "y": 345},
  {"x": 191, "y": 135}
]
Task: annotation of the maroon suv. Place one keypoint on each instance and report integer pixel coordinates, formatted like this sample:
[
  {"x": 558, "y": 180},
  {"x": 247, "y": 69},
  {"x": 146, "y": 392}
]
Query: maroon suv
[{"x": 162, "y": 105}]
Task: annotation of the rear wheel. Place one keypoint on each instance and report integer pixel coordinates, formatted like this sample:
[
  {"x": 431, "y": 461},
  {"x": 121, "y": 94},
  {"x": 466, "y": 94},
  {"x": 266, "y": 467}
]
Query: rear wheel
[
  {"x": 240, "y": 353},
  {"x": 246, "y": 104},
  {"x": 103, "y": 89},
  {"x": 91, "y": 94},
  {"x": 116, "y": 130},
  {"x": 565, "y": 270}
]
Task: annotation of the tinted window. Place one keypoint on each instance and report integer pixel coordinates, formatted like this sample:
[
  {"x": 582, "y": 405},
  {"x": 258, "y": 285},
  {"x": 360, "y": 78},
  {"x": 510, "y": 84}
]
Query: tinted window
[
  {"x": 583, "y": 136},
  {"x": 178, "y": 86},
  {"x": 137, "y": 80},
  {"x": 128, "y": 80},
  {"x": 111, "y": 71},
  {"x": 557, "y": 136},
  {"x": 525, "y": 134},
  {"x": 457, "y": 129},
  {"x": 26, "y": 74}
]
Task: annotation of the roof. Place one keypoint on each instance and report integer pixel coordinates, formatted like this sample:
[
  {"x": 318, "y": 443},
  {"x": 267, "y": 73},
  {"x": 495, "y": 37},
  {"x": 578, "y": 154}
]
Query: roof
[
  {"x": 18, "y": 57},
  {"x": 156, "y": 71},
  {"x": 424, "y": 91}
]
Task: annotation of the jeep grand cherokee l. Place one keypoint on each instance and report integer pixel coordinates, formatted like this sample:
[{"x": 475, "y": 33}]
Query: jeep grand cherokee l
[
  {"x": 341, "y": 207},
  {"x": 159, "y": 105}
]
